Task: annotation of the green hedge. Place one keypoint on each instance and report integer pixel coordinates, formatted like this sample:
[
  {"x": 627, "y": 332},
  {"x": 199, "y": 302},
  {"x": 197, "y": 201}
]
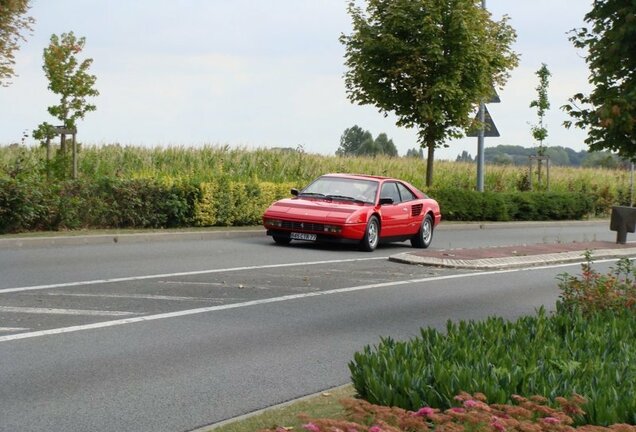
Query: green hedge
[
  {"x": 149, "y": 203},
  {"x": 543, "y": 355},
  {"x": 468, "y": 205},
  {"x": 137, "y": 203}
]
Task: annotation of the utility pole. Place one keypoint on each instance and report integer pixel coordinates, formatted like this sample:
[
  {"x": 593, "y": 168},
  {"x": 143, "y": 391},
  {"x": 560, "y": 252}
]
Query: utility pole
[{"x": 480, "y": 137}]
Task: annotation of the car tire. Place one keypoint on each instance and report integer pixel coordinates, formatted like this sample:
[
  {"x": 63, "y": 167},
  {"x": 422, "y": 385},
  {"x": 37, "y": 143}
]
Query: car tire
[
  {"x": 371, "y": 235},
  {"x": 281, "y": 240},
  {"x": 424, "y": 236}
]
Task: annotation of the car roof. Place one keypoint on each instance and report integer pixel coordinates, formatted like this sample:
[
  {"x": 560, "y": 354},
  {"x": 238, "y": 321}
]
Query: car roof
[{"x": 358, "y": 176}]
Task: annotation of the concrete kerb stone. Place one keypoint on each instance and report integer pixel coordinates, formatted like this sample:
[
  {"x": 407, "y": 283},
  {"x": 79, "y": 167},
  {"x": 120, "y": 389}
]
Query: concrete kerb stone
[
  {"x": 510, "y": 262},
  {"x": 77, "y": 240}
]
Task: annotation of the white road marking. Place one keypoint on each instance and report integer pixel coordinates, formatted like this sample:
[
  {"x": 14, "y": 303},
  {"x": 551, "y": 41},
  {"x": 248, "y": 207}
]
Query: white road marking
[
  {"x": 272, "y": 300},
  {"x": 191, "y": 273},
  {"x": 12, "y": 329},
  {"x": 193, "y": 283},
  {"x": 30, "y": 310},
  {"x": 139, "y": 296}
]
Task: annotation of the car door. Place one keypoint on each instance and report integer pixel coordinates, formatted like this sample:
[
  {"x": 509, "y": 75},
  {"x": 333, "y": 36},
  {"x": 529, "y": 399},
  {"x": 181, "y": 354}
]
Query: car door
[
  {"x": 415, "y": 209},
  {"x": 395, "y": 217}
]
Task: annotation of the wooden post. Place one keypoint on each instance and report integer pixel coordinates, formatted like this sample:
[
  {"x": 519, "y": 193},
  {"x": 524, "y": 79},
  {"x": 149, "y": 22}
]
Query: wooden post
[
  {"x": 48, "y": 156},
  {"x": 74, "y": 156},
  {"x": 530, "y": 171}
]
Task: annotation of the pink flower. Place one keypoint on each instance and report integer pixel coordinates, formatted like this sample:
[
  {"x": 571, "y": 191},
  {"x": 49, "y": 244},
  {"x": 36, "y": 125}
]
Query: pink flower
[
  {"x": 425, "y": 412},
  {"x": 471, "y": 403},
  {"x": 457, "y": 410},
  {"x": 497, "y": 424},
  {"x": 311, "y": 427},
  {"x": 551, "y": 420},
  {"x": 375, "y": 429}
]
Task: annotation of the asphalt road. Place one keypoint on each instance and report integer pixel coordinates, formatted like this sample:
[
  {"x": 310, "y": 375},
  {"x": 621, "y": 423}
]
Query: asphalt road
[{"x": 171, "y": 335}]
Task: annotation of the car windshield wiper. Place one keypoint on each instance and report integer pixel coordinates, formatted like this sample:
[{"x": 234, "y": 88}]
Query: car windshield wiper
[
  {"x": 345, "y": 198},
  {"x": 312, "y": 194}
]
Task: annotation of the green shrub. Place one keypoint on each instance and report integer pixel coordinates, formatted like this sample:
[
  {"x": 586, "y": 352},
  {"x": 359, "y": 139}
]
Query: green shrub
[
  {"x": 468, "y": 205},
  {"x": 22, "y": 206},
  {"x": 563, "y": 354},
  {"x": 594, "y": 292}
]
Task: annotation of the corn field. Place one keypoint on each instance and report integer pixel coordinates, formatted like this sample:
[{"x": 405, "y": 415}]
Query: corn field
[{"x": 175, "y": 164}]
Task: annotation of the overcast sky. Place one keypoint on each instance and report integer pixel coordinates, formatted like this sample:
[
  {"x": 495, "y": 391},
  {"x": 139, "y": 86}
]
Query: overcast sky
[{"x": 256, "y": 73}]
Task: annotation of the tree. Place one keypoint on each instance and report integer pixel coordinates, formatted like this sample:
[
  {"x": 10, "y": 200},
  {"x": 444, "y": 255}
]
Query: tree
[
  {"x": 609, "y": 111},
  {"x": 542, "y": 104},
  {"x": 464, "y": 157},
  {"x": 70, "y": 79},
  {"x": 357, "y": 142},
  {"x": 427, "y": 61},
  {"x": 351, "y": 140},
  {"x": 386, "y": 145},
  {"x": 13, "y": 24},
  {"x": 415, "y": 153}
]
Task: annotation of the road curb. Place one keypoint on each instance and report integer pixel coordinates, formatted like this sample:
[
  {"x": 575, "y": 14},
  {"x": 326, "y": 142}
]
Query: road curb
[
  {"x": 78, "y": 240},
  {"x": 516, "y": 224},
  {"x": 109, "y": 238},
  {"x": 511, "y": 262}
]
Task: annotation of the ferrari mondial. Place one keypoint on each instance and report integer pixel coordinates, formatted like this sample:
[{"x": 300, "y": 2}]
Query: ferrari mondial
[{"x": 359, "y": 209}]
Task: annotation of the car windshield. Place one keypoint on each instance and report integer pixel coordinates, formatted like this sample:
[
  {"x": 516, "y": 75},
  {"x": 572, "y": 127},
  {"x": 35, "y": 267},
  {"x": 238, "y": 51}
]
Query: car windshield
[{"x": 340, "y": 188}]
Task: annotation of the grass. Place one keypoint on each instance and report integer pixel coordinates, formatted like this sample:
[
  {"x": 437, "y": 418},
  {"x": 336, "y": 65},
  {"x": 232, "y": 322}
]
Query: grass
[{"x": 322, "y": 405}]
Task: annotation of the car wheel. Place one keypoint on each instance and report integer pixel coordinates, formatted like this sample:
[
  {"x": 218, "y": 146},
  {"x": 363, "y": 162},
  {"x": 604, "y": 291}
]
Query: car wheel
[
  {"x": 281, "y": 240},
  {"x": 424, "y": 236},
  {"x": 371, "y": 235}
]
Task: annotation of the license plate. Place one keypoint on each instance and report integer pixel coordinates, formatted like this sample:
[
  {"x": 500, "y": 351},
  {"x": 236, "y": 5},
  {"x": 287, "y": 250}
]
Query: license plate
[{"x": 303, "y": 236}]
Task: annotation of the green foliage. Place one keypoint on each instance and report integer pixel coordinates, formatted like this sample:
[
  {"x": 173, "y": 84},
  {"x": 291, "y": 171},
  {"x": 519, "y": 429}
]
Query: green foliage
[
  {"x": 593, "y": 292},
  {"x": 69, "y": 78},
  {"x": 563, "y": 354},
  {"x": 609, "y": 111},
  {"x": 357, "y": 142},
  {"x": 586, "y": 348},
  {"x": 464, "y": 157},
  {"x": 261, "y": 176},
  {"x": 21, "y": 206},
  {"x": 560, "y": 156},
  {"x": 428, "y": 62},
  {"x": 469, "y": 205},
  {"x": 13, "y": 24},
  {"x": 352, "y": 139},
  {"x": 133, "y": 203},
  {"x": 385, "y": 145},
  {"x": 539, "y": 130}
]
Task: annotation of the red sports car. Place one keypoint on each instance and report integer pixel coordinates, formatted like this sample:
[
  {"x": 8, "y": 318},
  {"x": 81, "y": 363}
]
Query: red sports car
[{"x": 360, "y": 209}]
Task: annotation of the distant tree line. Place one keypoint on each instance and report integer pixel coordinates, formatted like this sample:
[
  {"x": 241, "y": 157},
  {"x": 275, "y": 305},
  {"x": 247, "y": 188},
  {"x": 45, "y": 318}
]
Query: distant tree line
[
  {"x": 563, "y": 156},
  {"x": 356, "y": 141}
]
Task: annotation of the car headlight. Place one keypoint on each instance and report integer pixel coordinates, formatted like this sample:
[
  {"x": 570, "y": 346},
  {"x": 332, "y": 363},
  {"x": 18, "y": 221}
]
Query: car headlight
[
  {"x": 334, "y": 229},
  {"x": 274, "y": 222}
]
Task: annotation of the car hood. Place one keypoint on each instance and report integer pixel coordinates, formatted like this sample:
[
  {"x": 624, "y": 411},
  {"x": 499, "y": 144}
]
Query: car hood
[{"x": 315, "y": 210}]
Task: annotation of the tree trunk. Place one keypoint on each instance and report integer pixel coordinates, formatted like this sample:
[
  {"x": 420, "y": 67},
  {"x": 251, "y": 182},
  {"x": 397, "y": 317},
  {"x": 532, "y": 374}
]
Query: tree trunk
[{"x": 429, "y": 164}]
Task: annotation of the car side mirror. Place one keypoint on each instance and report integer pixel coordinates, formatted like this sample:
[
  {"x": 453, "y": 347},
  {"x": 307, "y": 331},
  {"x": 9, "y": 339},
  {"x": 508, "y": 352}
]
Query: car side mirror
[
  {"x": 294, "y": 192},
  {"x": 387, "y": 200}
]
